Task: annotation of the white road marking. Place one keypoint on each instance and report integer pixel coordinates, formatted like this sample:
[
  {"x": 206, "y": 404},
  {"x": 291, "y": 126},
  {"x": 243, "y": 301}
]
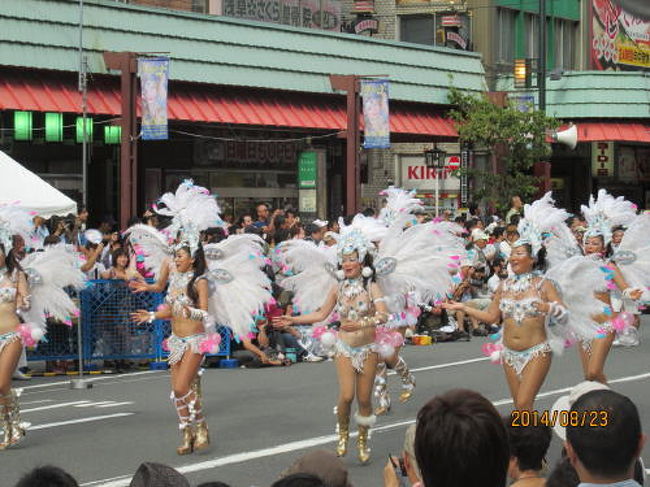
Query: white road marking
[
  {"x": 124, "y": 481},
  {"x": 91, "y": 379},
  {"x": 445, "y": 365},
  {"x": 55, "y": 406},
  {"x": 115, "y": 404},
  {"x": 93, "y": 404},
  {"x": 39, "y": 401},
  {"x": 77, "y": 421}
]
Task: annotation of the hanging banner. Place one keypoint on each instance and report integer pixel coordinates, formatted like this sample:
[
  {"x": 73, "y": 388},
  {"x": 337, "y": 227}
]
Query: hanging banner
[
  {"x": 154, "y": 75},
  {"x": 375, "y": 114}
]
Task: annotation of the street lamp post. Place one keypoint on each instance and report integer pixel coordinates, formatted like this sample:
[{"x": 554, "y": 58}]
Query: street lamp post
[{"x": 435, "y": 158}]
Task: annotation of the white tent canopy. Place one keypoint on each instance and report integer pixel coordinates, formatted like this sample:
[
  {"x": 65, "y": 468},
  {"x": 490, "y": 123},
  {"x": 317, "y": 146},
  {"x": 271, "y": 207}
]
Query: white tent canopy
[{"x": 24, "y": 188}]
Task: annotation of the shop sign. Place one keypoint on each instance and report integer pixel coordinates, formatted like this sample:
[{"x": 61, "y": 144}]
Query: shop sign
[
  {"x": 602, "y": 159},
  {"x": 307, "y": 201},
  {"x": 458, "y": 39},
  {"x": 317, "y": 14},
  {"x": 465, "y": 155},
  {"x": 620, "y": 41},
  {"x": 451, "y": 21},
  {"x": 366, "y": 25},
  {"x": 246, "y": 154},
  {"x": 416, "y": 175},
  {"x": 307, "y": 170}
]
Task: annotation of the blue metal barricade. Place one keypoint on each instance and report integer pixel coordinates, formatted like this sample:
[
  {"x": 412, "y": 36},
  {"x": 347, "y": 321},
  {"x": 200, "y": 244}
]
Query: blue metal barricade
[{"x": 108, "y": 333}]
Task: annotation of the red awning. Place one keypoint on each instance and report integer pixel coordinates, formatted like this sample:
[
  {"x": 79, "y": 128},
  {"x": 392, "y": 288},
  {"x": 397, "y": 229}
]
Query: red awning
[
  {"x": 612, "y": 131},
  {"x": 46, "y": 91}
]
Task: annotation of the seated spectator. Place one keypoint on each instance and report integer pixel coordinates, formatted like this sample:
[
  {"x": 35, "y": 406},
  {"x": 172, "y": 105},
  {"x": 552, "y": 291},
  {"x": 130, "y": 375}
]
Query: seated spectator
[
  {"x": 406, "y": 466},
  {"x": 528, "y": 447},
  {"x": 121, "y": 267},
  {"x": 605, "y": 453},
  {"x": 47, "y": 476},
  {"x": 151, "y": 474},
  {"x": 324, "y": 465},
  {"x": 563, "y": 475},
  {"x": 300, "y": 480},
  {"x": 460, "y": 440}
]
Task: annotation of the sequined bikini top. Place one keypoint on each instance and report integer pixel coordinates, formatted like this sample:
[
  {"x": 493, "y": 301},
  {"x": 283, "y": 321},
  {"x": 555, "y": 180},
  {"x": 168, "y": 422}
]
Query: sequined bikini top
[
  {"x": 353, "y": 300},
  {"x": 177, "y": 297},
  {"x": 518, "y": 296}
]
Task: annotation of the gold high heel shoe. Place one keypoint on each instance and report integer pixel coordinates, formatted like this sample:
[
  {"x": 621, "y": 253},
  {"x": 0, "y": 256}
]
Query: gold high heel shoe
[
  {"x": 13, "y": 425},
  {"x": 202, "y": 436},
  {"x": 343, "y": 430},
  {"x": 381, "y": 390},
  {"x": 408, "y": 381},
  {"x": 187, "y": 445},
  {"x": 364, "y": 423},
  {"x": 5, "y": 424}
]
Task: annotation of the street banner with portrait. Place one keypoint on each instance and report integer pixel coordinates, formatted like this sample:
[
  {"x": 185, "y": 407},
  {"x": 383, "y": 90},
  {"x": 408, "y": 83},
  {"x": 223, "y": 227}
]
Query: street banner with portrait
[
  {"x": 375, "y": 114},
  {"x": 154, "y": 76}
]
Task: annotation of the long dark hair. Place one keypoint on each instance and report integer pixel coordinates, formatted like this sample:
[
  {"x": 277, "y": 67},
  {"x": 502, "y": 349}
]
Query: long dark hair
[
  {"x": 10, "y": 260},
  {"x": 200, "y": 267}
]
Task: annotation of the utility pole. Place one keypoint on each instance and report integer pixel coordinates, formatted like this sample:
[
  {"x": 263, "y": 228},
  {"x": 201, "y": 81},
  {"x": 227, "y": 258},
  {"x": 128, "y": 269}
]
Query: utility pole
[{"x": 541, "y": 68}]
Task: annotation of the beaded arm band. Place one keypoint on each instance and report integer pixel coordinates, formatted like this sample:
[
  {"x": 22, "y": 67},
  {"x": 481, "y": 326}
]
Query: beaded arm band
[
  {"x": 375, "y": 320},
  {"x": 196, "y": 314}
]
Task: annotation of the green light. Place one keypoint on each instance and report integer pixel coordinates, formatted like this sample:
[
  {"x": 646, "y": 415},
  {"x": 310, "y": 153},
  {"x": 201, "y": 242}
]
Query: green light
[
  {"x": 23, "y": 125},
  {"x": 80, "y": 129},
  {"x": 112, "y": 134},
  {"x": 53, "y": 127}
]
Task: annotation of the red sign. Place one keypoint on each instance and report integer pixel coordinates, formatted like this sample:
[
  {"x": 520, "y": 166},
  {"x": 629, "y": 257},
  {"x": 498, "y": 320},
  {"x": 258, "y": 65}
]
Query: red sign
[
  {"x": 424, "y": 172},
  {"x": 371, "y": 25},
  {"x": 451, "y": 21},
  {"x": 452, "y": 163}
]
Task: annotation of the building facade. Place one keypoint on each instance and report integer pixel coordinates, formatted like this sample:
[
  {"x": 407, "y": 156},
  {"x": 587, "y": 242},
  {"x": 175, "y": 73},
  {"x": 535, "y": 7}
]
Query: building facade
[{"x": 246, "y": 99}]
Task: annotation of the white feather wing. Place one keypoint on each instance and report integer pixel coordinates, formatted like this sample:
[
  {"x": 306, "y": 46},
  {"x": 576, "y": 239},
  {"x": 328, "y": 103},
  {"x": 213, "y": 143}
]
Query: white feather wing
[
  {"x": 49, "y": 272},
  {"x": 424, "y": 255},
  {"x": 633, "y": 254},
  {"x": 310, "y": 280},
  {"x": 578, "y": 279},
  {"x": 153, "y": 243},
  {"x": 400, "y": 206},
  {"x": 239, "y": 288}
]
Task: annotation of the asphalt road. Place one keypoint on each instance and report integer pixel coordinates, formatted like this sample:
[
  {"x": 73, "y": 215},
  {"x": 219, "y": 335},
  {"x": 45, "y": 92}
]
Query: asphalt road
[{"x": 262, "y": 420}]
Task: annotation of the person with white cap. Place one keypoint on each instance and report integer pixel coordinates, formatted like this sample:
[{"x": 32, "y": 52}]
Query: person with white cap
[{"x": 603, "y": 436}]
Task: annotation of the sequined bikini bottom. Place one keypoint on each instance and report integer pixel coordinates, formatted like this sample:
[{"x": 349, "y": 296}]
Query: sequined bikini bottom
[{"x": 518, "y": 359}]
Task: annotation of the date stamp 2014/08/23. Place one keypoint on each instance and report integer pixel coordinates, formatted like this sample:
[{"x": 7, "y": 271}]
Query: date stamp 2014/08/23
[{"x": 563, "y": 418}]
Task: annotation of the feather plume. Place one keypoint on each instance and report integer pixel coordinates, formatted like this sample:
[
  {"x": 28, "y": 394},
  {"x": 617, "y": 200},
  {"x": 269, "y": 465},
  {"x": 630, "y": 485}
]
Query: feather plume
[
  {"x": 49, "y": 272},
  {"x": 400, "y": 206},
  {"x": 153, "y": 243},
  {"x": 633, "y": 255},
  {"x": 605, "y": 212}
]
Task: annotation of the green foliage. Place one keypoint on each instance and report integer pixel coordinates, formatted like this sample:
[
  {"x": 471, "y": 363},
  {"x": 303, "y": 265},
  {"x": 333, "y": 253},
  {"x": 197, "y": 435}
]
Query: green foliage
[{"x": 516, "y": 139}]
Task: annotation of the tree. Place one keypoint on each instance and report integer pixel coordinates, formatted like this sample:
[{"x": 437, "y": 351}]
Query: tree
[{"x": 516, "y": 139}]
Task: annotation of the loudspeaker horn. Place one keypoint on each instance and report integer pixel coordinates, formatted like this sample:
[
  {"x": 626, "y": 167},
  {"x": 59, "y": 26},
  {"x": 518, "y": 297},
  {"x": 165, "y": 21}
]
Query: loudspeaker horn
[{"x": 568, "y": 137}]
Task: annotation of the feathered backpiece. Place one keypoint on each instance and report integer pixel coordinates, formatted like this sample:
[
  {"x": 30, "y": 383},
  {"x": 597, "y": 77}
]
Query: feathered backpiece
[
  {"x": 633, "y": 255},
  {"x": 561, "y": 245},
  {"x": 239, "y": 288},
  {"x": 192, "y": 209},
  {"x": 541, "y": 219},
  {"x": 48, "y": 273},
  {"x": 359, "y": 236},
  {"x": 420, "y": 259},
  {"x": 605, "y": 212},
  {"x": 400, "y": 206},
  {"x": 577, "y": 280},
  {"x": 14, "y": 220},
  {"x": 309, "y": 270},
  {"x": 151, "y": 244}
]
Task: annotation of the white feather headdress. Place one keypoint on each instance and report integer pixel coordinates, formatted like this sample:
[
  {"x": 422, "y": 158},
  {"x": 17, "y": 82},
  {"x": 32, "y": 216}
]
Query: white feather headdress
[
  {"x": 359, "y": 236},
  {"x": 193, "y": 209},
  {"x": 400, "y": 206},
  {"x": 605, "y": 212},
  {"x": 13, "y": 221},
  {"x": 541, "y": 218}
]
